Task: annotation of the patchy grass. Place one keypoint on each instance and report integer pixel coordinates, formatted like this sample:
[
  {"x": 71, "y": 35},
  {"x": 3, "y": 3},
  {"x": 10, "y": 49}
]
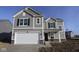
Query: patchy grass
[{"x": 67, "y": 46}]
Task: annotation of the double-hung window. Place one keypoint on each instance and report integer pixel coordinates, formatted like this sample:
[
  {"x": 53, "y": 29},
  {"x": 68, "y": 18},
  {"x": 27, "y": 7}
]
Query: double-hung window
[
  {"x": 38, "y": 21},
  {"x": 24, "y": 21},
  {"x": 21, "y": 21},
  {"x": 51, "y": 25}
]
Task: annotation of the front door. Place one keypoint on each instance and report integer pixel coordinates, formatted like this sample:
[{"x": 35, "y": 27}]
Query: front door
[{"x": 46, "y": 36}]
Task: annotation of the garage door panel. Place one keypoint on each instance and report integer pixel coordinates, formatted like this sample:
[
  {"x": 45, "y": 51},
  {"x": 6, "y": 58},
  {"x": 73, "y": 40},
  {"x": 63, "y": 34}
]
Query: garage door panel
[{"x": 26, "y": 38}]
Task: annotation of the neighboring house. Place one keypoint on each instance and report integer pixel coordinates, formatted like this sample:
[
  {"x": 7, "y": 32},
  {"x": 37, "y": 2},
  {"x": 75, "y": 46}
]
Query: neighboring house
[
  {"x": 68, "y": 34},
  {"x": 30, "y": 27},
  {"x": 5, "y": 30},
  {"x": 5, "y": 26},
  {"x": 75, "y": 37},
  {"x": 71, "y": 35}
]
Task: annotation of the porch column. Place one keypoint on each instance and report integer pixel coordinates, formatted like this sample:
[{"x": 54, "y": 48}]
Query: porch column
[
  {"x": 59, "y": 37},
  {"x": 42, "y": 28}
]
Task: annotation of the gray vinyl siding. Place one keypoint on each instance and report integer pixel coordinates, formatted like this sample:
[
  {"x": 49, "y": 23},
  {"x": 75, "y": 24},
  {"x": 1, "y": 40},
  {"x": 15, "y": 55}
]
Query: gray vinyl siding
[
  {"x": 62, "y": 35},
  {"x": 59, "y": 23},
  {"x": 21, "y": 15},
  {"x": 45, "y": 24},
  {"x": 56, "y": 36}
]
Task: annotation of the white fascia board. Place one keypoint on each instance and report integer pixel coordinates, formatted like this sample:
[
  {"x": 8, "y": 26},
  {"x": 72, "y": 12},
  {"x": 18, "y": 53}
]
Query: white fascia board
[
  {"x": 47, "y": 19},
  {"x": 50, "y": 18},
  {"x": 18, "y": 13}
]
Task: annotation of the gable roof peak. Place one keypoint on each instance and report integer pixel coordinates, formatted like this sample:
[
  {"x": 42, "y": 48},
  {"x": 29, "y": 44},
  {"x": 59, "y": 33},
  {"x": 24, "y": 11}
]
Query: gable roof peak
[
  {"x": 51, "y": 18},
  {"x": 56, "y": 19},
  {"x": 28, "y": 10}
]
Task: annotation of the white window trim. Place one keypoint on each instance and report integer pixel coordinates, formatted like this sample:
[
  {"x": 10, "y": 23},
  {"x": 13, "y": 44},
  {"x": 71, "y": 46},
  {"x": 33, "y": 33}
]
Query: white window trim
[
  {"x": 39, "y": 21},
  {"x": 23, "y": 21},
  {"x": 52, "y": 27}
]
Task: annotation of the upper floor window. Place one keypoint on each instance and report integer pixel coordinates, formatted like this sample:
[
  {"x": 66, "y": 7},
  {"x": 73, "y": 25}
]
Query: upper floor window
[
  {"x": 27, "y": 21},
  {"x": 60, "y": 27},
  {"x": 24, "y": 21},
  {"x": 21, "y": 21},
  {"x": 38, "y": 20},
  {"x": 51, "y": 25}
]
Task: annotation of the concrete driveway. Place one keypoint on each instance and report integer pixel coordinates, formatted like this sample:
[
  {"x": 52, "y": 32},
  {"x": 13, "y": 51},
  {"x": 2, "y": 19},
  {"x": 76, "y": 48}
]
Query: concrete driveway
[
  {"x": 23, "y": 48},
  {"x": 19, "y": 48}
]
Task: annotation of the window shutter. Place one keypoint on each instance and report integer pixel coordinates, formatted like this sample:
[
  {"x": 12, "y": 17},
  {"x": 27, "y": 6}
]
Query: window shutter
[
  {"x": 48, "y": 25},
  {"x": 28, "y": 21},
  {"x": 54, "y": 25},
  {"x": 17, "y": 22}
]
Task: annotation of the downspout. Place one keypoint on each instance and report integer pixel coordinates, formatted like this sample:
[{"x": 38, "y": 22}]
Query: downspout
[{"x": 33, "y": 23}]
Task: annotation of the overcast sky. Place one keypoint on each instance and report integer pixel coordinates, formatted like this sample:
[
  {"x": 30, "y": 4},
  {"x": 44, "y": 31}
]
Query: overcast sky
[{"x": 70, "y": 15}]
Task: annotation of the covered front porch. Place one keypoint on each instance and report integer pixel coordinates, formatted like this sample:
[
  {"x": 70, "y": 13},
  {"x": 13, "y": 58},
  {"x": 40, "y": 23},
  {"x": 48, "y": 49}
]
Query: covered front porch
[{"x": 49, "y": 35}]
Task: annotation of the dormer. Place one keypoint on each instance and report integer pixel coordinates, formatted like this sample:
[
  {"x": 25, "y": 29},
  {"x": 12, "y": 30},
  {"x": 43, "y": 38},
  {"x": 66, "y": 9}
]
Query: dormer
[{"x": 51, "y": 23}]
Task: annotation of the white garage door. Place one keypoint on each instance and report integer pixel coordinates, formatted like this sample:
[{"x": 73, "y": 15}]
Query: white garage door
[{"x": 26, "y": 38}]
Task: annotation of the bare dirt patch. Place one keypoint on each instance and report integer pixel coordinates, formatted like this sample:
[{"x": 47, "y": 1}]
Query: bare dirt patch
[{"x": 67, "y": 46}]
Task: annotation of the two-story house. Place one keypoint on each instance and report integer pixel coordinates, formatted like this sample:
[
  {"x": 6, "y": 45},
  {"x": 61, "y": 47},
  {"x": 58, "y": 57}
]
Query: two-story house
[{"x": 30, "y": 27}]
